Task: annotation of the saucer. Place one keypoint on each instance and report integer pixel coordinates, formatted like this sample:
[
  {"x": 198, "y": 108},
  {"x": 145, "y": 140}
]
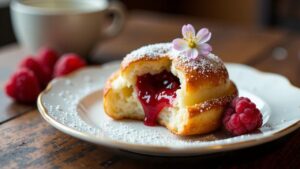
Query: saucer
[{"x": 73, "y": 105}]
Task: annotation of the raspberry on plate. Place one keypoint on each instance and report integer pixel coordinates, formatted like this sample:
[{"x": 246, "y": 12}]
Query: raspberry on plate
[
  {"x": 47, "y": 57},
  {"x": 23, "y": 86},
  {"x": 43, "y": 74},
  {"x": 67, "y": 64},
  {"x": 242, "y": 117}
]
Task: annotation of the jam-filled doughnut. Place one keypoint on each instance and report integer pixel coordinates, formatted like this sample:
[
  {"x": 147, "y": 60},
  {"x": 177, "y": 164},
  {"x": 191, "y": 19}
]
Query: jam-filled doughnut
[{"x": 161, "y": 86}]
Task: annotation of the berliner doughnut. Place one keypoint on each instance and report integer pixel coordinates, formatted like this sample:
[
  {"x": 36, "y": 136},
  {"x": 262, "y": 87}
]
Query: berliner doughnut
[{"x": 161, "y": 86}]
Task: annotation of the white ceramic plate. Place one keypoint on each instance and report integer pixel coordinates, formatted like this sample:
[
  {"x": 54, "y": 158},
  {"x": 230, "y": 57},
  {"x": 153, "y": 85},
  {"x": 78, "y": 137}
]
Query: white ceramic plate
[{"x": 73, "y": 105}]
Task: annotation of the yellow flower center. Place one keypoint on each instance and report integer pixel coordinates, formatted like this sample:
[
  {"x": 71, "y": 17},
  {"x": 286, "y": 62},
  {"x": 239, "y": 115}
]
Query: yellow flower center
[{"x": 192, "y": 43}]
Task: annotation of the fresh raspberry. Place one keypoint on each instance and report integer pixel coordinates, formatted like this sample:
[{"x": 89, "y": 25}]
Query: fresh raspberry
[
  {"x": 47, "y": 58},
  {"x": 242, "y": 117},
  {"x": 23, "y": 86},
  {"x": 237, "y": 99},
  {"x": 43, "y": 74},
  {"x": 67, "y": 64}
]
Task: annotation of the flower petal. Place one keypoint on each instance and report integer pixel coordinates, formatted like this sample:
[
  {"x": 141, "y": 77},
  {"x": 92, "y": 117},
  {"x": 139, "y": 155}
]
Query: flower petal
[
  {"x": 180, "y": 44},
  {"x": 192, "y": 53},
  {"x": 188, "y": 31},
  {"x": 204, "y": 49},
  {"x": 203, "y": 35}
]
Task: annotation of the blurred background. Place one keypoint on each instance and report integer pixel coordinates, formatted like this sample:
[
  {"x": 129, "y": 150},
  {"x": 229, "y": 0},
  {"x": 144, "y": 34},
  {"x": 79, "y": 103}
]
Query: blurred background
[{"x": 248, "y": 13}]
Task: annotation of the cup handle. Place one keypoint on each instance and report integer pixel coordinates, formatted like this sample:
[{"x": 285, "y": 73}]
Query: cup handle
[{"x": 118, "y": 11}]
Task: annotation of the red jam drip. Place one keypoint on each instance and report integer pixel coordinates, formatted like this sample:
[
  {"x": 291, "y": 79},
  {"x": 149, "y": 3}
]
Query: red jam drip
[{"x": 156, "y": 92}]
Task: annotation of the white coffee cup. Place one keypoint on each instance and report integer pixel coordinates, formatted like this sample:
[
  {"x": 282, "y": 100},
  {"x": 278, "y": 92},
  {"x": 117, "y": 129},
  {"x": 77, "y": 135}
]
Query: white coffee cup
[{"x": 65, "y": 25}]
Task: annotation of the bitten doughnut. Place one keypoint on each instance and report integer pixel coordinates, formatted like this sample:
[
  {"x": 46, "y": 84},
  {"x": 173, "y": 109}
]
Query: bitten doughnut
[{"x": 165, "y": 87}]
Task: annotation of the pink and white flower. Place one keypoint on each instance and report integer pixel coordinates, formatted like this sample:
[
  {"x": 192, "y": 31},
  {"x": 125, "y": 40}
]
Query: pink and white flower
[{"x": 192, "y": 44}]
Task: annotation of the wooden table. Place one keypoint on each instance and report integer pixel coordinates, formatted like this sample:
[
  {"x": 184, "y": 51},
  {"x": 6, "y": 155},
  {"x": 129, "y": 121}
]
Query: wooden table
[{"x": 28, "y": 141}]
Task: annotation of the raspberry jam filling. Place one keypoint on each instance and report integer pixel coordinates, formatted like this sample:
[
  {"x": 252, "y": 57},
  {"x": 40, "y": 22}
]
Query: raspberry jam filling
[{"x": 156, "y": 92}]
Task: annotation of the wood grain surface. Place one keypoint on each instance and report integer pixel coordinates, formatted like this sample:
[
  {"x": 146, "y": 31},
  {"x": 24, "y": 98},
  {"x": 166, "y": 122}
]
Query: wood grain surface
[{"x": 27, "y": 141}]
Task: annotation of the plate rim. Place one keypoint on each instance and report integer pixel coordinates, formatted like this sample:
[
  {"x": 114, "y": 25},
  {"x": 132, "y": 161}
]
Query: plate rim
[{"x": 157, "y": 149}]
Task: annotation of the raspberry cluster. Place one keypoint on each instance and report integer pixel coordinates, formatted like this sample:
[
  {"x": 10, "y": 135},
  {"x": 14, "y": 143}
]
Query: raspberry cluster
[
  {"x": 242, "y": 117},
  {"x": 34, "y": 73}
]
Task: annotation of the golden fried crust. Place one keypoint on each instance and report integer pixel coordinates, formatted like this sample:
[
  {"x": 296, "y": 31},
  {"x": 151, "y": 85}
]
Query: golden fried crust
[
  {"x": 203, "y": 123},
  {"x": 108, "y": 95},
  {"x": 206, "y": 117},
  {"x": 208, "y": 70}
]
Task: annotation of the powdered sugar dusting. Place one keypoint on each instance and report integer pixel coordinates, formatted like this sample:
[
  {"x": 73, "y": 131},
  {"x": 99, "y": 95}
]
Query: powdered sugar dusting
[
  {"x": 202, "y": 64},
  {"x": 210, "y": 104},
  {"x": 149, "y": 51}
]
